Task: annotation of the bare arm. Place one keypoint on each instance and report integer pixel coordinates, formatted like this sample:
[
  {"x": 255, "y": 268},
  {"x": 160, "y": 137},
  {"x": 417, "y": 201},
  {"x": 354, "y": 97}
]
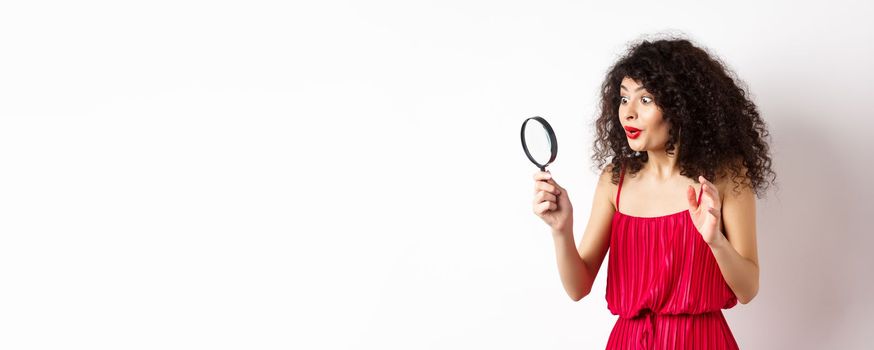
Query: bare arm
[
  {"x": 579, "y": 267},
  {"x": 736, "y": 252}
]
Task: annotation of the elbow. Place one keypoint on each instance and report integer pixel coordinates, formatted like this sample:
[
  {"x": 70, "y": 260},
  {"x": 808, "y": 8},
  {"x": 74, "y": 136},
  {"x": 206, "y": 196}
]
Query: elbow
[
  {"x": 579, "y": 296},
  {"x": 746, "y": 299},
  {"x": 752, "y": 291}
]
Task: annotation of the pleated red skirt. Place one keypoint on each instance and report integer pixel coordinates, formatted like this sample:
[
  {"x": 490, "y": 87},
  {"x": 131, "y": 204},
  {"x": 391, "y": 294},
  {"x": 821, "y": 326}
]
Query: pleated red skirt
[{"x": 665, "y": 285}]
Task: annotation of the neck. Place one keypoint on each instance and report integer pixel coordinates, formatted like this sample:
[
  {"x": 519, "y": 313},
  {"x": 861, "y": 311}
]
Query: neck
[{"x": 660, "y": 165}]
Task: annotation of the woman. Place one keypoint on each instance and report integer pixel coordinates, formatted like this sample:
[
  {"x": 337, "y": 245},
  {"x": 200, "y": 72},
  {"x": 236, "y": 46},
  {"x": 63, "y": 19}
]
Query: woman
[{"x": 675, "y": 205}]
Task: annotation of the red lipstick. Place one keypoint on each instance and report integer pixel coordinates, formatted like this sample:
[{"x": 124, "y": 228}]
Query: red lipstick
[{"x": 632, "y": 132}]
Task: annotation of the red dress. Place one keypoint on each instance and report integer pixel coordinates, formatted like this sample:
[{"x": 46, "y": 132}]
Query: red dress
[{"x": 665, "y": 285}]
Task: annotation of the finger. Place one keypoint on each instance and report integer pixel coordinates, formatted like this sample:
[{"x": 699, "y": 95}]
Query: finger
[
  {"x": 704, "y": 180},
  {"x": 552, "y": 206},
  {"x": 544, "y": 207},
  {"x": 715, "y": 212},
  {"x": 546, "y": 186},
  {"x": 538, "y": 208},
  {"x": 690, "y": 197},
  {"x": 543, "y": 185},
  {"x": 555, "y": 183},
  {"x": 542, "y": 175},
  {"x": 544, "y": 196},
  {"x": 558, "y": 187},
  {"x": 710, "y": 190}
]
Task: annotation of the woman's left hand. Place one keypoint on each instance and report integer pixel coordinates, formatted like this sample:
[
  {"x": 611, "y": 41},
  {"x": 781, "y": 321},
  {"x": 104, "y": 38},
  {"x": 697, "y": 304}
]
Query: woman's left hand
[{"x": 707, "y": 216}]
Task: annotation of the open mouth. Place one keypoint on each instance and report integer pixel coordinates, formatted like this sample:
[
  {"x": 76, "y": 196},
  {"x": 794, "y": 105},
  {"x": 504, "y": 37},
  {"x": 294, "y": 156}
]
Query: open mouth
[{"x": 632, "y": 132}]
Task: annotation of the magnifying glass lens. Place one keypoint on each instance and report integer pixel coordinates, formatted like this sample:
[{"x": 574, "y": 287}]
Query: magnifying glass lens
[{"x": 537, "y": 141}]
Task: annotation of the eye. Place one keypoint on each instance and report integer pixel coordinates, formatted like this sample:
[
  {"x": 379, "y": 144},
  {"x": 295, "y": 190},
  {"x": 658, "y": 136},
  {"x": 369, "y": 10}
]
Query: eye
[
  {"x": 623, "y": 99},
  {"x": 646, "y": 99}
]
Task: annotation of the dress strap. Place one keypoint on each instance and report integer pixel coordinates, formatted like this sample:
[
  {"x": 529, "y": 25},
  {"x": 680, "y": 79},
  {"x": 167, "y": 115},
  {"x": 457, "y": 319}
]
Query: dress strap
[{"x": 619, "y": 189}]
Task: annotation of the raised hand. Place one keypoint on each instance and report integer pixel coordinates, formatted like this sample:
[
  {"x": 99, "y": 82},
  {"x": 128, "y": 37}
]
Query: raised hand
[
  {"x": 552, "y": 203},
  {"x": 707, "y": 216}
]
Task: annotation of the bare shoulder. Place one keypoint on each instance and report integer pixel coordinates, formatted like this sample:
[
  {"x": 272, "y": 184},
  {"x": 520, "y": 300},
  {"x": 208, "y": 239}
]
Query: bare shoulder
[
  {"x": 606, "y": 174},
  {"x": 606, "y": 189},
  {"x": 739, "y": 213},
  {"x": 733, "y": 180}
]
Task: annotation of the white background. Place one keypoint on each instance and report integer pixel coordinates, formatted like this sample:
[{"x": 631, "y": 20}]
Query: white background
[{"x": 348, "y": 175}]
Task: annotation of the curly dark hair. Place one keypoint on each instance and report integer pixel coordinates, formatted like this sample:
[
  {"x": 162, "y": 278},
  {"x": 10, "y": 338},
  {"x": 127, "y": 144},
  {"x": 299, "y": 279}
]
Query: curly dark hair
[{"x": 698, "y": 97}]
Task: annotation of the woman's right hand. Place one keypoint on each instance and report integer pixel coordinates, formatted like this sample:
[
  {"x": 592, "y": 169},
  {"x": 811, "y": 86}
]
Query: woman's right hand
[{"x": 552, "y": 203}]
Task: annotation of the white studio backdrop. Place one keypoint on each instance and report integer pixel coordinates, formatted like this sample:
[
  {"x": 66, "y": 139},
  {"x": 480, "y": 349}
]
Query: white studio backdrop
[{"x": 348, "y": 175}]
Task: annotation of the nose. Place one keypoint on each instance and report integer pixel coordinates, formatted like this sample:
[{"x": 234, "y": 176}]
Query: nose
[{"x": 630, "y": 111}]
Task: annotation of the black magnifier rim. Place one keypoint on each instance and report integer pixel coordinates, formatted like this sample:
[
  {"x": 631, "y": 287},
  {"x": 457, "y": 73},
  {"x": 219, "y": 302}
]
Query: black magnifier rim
[{"x": 549, "y": 134}]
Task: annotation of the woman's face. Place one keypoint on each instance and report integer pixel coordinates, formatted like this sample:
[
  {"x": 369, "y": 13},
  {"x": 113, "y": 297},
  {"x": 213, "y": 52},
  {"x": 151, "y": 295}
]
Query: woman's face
[{"x": 638, "y": 110}]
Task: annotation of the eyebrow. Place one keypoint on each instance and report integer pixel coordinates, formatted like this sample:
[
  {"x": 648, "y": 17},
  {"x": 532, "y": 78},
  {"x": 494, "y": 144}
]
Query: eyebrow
[{"x": 635, "y": 90}]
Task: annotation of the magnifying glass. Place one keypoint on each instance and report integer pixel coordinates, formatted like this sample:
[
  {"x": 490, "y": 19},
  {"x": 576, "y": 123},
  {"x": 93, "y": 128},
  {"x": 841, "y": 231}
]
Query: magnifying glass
[{"x": 538, "y": 141}]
